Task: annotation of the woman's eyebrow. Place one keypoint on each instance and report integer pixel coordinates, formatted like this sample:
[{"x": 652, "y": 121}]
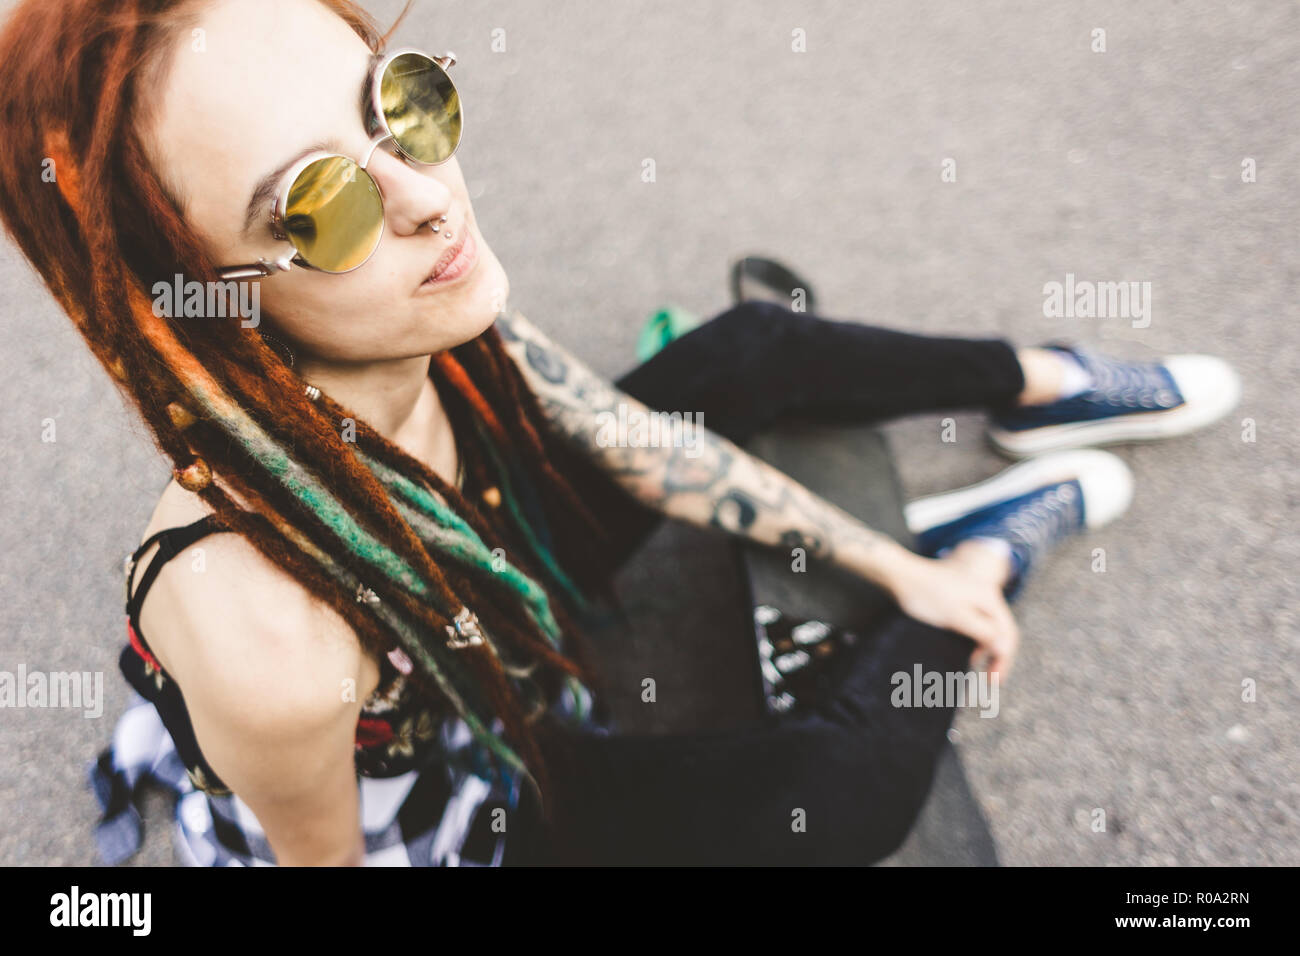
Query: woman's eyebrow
[{"x": 266, "y": 186}]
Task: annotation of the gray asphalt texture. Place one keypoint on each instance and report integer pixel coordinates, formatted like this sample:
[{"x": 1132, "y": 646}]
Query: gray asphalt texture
[{"x": 1122, "y": 165}]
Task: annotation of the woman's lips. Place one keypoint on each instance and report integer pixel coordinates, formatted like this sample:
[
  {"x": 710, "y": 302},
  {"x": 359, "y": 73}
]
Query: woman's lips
[{"x": 456, "y": 262}]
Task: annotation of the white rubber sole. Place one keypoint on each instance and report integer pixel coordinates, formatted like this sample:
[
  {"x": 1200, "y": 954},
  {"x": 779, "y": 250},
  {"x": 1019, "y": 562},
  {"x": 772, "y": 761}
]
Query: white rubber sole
[
  {"x": 1106, "y": 481},
  {"x": 1210, "y": 387}
]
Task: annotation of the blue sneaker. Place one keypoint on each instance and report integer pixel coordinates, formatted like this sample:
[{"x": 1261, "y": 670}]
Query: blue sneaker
[
  {"x": 1030, "y": 506},
  {"x": 1127, "y": 401}
]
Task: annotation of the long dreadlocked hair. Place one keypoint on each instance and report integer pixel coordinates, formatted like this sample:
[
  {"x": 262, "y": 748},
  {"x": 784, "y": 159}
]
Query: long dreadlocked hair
[{"x": 337, "y": 515}]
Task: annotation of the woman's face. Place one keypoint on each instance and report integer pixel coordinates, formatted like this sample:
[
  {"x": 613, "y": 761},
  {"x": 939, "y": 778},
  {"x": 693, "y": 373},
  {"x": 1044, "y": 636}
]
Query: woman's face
[{"x": 261, "y": 85}]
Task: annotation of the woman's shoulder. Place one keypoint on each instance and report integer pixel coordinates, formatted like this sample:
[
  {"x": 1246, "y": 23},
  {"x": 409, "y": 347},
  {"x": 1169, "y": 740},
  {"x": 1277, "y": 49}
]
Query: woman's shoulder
[{"x": 225, "y": 620}]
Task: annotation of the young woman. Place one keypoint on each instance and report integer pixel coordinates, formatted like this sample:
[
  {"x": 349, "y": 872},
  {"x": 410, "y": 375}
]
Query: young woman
[{"x": 406, "y": 514}]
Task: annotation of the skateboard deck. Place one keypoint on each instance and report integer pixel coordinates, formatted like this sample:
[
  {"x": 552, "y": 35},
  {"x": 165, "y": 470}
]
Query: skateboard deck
[{"x": 821, "y": 611}]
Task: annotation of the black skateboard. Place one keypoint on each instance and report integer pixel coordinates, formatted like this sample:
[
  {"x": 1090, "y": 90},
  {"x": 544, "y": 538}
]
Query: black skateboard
[{"x": 804, "y": 619}]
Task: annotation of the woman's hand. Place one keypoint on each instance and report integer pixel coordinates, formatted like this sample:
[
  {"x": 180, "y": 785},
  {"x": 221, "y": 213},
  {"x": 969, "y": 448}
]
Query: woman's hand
[{"x": 962, "y": 593}]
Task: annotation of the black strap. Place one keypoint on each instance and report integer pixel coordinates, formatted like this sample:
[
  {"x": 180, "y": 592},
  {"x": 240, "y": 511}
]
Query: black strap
[
  {"x": 171, "y": 542},
  {"x": 776, "y": 276}
]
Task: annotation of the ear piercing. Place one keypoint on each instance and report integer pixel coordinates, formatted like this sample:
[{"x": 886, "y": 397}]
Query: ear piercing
[{"x": 286, "y": 355}]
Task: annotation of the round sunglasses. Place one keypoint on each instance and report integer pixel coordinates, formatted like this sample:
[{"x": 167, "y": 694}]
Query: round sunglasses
[{"x": 331, "y": 210}]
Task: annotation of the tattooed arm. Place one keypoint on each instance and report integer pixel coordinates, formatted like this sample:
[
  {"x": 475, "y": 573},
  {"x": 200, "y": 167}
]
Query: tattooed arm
[{"x": 709, "y": 481}]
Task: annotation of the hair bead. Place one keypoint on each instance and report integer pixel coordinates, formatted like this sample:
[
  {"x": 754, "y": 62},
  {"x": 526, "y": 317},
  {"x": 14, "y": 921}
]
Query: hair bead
[
  {"x": 195, "y": 476},
  {"x": 464, "y": 630},
  {"x": 401, "y": 661},
  {"x": 181, "y": 416}
]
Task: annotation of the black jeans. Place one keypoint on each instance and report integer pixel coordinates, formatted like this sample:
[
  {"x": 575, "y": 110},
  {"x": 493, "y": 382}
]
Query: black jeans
[{"x": 839, "y": 782}]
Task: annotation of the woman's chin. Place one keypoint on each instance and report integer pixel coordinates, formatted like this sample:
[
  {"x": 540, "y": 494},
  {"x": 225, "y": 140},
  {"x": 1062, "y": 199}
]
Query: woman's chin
[
  {"x": 468, "y": 326},
  {"x": 469, "y": 309}
]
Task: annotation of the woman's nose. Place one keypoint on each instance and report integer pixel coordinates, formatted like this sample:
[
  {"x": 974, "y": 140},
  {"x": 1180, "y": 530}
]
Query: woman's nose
[{"x": 413, "y": 195}]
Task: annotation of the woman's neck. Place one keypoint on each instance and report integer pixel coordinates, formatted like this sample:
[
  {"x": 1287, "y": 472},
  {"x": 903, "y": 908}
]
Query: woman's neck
[{"x": 399, "y": 400}]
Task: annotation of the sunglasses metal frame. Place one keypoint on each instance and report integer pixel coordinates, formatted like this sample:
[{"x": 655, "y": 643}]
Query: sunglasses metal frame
[{"x": 376, "y": 125}]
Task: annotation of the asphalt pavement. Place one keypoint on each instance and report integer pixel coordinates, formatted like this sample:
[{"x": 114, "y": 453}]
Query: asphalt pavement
[{"x": 930, "y": 167}]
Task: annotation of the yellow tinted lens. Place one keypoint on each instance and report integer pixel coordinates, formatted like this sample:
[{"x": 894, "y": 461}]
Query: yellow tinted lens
[
  {"x": 421, "y": 106},
  {"x": 334, "y": 214}
]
